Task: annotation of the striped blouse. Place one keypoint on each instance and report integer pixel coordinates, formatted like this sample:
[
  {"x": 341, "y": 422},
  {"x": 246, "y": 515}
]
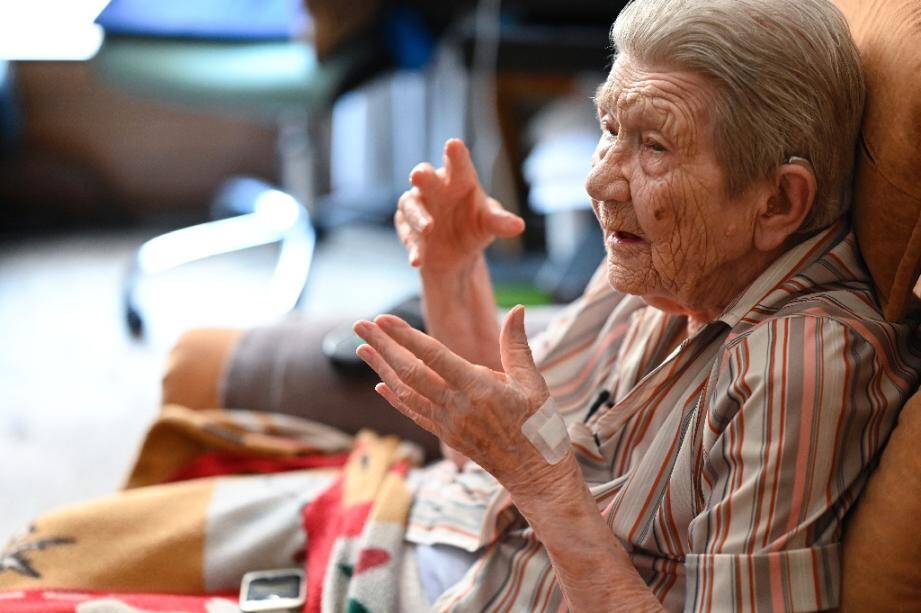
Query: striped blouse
[{"x": 725, "y": 466}]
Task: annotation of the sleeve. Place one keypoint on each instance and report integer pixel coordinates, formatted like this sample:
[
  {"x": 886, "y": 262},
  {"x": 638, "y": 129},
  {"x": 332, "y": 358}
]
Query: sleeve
[
  {"x": 544, "y": 344},
  {"x": 796, "y": 412}
]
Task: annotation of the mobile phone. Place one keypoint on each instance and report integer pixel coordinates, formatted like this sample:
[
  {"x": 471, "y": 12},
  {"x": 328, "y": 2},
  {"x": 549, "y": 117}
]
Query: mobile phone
[{"x": 273, "y": 591}]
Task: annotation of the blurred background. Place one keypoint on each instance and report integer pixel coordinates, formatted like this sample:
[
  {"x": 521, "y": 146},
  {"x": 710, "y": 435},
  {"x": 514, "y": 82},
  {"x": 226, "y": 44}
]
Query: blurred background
[{"x": 167, "y": 164}]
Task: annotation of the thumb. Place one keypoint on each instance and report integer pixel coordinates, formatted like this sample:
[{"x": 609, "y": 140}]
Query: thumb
[
  {"x": 499, "y": 222},
  {"x": 515, "y": 353}
]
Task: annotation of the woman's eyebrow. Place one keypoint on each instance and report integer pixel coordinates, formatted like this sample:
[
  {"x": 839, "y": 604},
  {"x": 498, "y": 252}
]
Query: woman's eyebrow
[{"x": 602, "y": 95}]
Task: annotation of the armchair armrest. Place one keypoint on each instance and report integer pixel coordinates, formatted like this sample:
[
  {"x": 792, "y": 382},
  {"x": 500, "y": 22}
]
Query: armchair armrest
[{"x": 281, "y": 368}]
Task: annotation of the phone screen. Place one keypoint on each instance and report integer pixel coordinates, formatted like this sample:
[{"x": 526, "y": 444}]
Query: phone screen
[{"x": 267, "y": 588}]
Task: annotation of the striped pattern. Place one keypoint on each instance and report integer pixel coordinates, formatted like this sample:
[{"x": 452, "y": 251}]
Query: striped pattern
[{"x": 724, "y": 466}]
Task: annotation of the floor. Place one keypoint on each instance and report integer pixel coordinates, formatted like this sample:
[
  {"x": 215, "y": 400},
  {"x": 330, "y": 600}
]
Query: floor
[{"x": 77, "y": 392}]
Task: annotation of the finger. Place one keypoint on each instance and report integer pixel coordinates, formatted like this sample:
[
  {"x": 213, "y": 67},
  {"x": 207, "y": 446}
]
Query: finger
[
  {"x": 455, "y": 370},
  {"x": 409, "y": 369},
  {"x": 409, "y": 238},
  {"x": 515, "y": 352},
  {"x": 459, "y": 169},
  {"x": 500, "y": 222},
  {"x": 407, "y": 234},
  {"x": 404, "y": 232},
  {"x": 426, "y": 178},
  {"x": 390, "y": 396},
  {"x": 415, "y": 212},
  {"x": 406, "y": 396},
  {"x": 415, "y": 256}
]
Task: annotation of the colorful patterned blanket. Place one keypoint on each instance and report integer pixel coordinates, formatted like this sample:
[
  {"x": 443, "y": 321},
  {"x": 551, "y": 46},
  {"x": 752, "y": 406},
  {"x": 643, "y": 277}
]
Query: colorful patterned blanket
[{"x": 215, "y": 494}]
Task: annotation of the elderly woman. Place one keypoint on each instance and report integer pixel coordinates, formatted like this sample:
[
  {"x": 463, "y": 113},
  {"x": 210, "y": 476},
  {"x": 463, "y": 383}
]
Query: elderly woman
[
  {"x": 727, "y": 376},
  {"x": 689, "y": 435}
]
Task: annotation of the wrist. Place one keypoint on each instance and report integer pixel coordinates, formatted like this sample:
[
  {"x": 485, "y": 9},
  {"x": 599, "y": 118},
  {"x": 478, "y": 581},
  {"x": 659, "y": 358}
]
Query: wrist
[
  {"x": 460, "y": 269},
  {"x": 534, "y": 484},
  {"x": 460, "y": 310}
]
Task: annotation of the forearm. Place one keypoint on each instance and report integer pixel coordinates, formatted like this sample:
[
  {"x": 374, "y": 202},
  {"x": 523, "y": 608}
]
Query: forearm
[
  {"x": 460, "y": 311},
  {"x": 591, "y": 565}
]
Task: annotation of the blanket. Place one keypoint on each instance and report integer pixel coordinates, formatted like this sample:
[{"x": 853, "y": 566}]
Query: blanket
[{"x": 214, "y": 494}]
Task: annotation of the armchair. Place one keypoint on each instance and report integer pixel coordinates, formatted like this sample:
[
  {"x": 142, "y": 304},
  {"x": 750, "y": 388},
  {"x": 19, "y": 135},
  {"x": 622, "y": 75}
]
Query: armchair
[{"x": 281, "y": 368}]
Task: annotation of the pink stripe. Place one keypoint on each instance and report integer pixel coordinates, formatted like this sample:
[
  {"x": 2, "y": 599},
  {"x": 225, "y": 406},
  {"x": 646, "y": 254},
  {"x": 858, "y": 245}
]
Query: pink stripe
[
  {"x": 587, "y": 369},
  {"x": 777, "y": 591},
  {"x": 807, "y": 413}
]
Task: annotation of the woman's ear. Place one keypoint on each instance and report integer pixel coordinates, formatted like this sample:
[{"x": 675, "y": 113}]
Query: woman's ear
[{"x": 787, "y": 206}]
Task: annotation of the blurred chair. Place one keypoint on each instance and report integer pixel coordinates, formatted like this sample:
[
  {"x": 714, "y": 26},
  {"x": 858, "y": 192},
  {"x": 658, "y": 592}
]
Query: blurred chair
[
  {"x": 545, "y": 53},
  {"x": 513, "y": 55},
  {"x": 253, "y": 74}
]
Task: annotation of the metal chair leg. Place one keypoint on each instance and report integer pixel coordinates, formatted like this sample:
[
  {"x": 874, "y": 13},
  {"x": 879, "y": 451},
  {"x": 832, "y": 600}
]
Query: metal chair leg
[{"x": 276, "y": 217}]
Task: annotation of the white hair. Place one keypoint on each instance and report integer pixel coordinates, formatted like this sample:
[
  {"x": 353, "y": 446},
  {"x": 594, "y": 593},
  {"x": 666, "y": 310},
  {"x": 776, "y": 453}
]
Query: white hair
[{"x": 786, "y": 79}]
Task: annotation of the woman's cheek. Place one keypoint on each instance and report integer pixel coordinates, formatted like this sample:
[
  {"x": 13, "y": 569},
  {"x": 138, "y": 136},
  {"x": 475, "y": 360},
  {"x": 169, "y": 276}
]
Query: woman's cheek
[
  {"x": 657, "y": 217},
  {"x": 655, "y": 164}
]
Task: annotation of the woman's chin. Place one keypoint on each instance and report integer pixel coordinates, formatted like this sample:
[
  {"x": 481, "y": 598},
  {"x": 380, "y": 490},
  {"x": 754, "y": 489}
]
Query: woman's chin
[{"x": 627, "y": 282}]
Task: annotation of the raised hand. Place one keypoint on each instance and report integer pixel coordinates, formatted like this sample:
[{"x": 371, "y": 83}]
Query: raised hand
[
  {"x": 474, "y": 409},
  {"x": 446, "y": 219}
]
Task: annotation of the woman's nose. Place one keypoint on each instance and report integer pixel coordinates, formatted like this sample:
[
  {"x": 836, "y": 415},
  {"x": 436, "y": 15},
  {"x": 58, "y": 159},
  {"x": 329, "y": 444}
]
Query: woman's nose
[{"x": 606, "y": 181}]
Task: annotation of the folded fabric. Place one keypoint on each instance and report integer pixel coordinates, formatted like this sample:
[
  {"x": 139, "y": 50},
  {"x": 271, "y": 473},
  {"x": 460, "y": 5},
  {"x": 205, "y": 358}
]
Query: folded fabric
[{"x": 188, "y": 525}]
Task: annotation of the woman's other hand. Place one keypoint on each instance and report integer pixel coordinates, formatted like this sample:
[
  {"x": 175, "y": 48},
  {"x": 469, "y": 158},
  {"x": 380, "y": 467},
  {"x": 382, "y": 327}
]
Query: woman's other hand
[
  {"x": 476, "y": 410},
  {"x": 446, "y": 219}
]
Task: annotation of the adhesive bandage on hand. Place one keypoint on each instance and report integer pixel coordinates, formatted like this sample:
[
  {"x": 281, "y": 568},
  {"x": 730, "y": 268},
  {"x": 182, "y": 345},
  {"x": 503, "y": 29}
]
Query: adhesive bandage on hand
[{"x": 547, "y": 432}]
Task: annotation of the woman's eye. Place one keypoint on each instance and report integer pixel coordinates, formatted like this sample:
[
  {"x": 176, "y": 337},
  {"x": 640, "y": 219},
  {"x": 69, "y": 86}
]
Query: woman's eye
[
  {"x": 655, "y": 146},
  {"x": 608, "y": 129}
]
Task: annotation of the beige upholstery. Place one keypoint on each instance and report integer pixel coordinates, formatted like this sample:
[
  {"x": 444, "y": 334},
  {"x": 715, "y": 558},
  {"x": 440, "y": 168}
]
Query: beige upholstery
[
  {"x": 196, "y": 367},
  {"x": 887, "y": 199},
  {"x": 882, "y": 545}
]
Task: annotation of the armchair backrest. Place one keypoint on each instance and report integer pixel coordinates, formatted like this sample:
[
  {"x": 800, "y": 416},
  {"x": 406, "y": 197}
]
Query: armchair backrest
[
  {"x": 882, "y": 543},
  {"x": 887, "y": 188}
]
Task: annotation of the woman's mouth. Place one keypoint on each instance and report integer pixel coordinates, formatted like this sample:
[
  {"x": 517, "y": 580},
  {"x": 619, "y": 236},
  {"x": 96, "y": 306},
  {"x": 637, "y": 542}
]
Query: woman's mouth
[{"x": 621, "y": 238}]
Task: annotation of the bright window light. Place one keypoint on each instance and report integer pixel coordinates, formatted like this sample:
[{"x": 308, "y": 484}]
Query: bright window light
[{"x": 50, "y": 29}]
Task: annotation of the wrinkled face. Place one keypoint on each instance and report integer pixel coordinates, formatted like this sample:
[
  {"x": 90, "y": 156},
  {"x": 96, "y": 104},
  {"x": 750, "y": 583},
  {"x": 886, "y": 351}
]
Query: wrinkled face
[{"x": 672, "y": 234}]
